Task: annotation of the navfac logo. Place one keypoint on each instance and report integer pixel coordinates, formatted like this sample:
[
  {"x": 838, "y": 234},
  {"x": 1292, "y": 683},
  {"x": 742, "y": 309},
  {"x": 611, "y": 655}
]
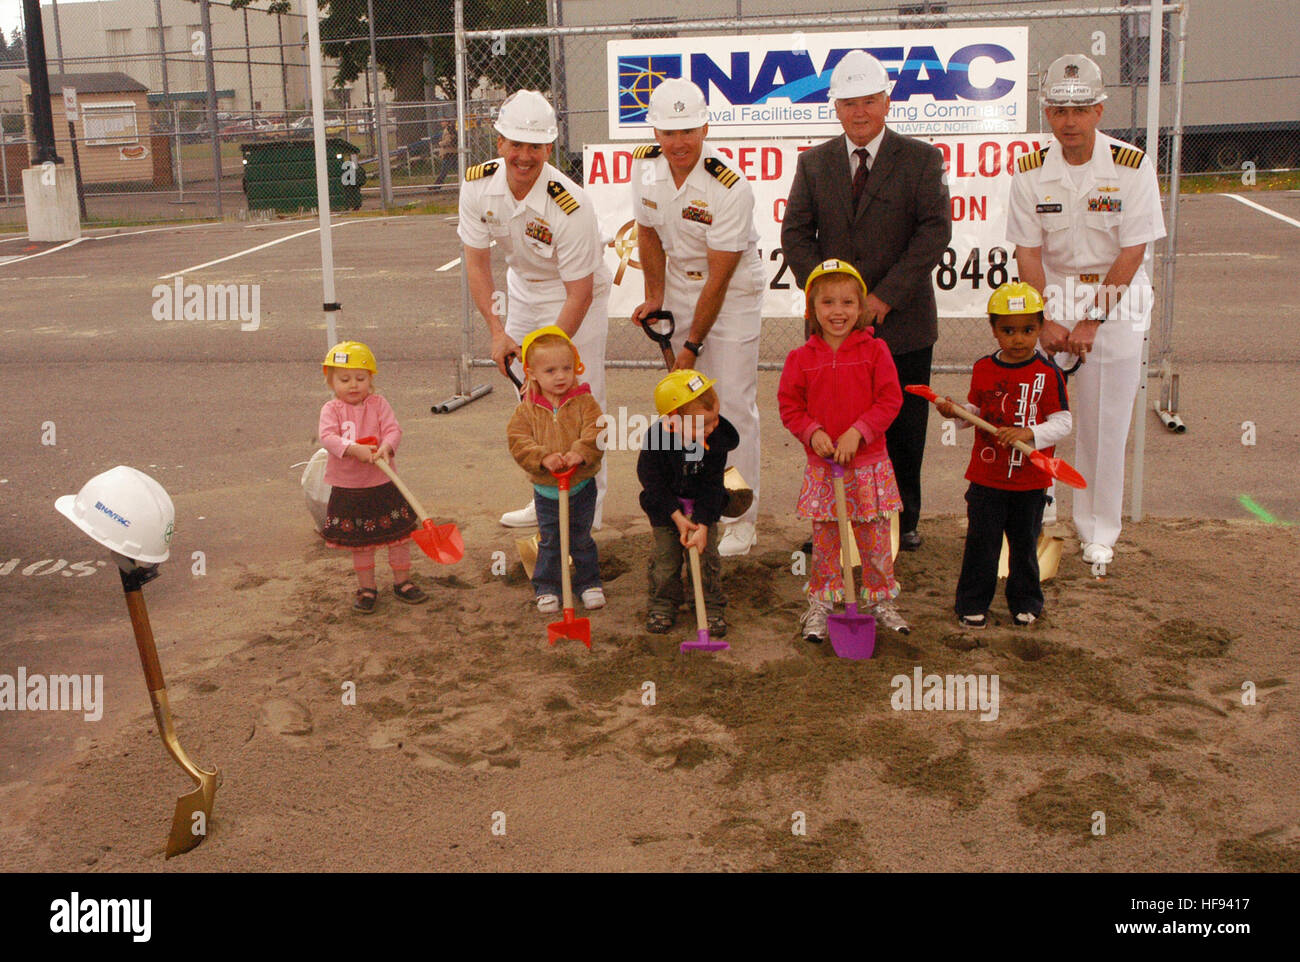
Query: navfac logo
[
  {"x": 792, "y": 75},
  {"x": 637, "y": 78}
]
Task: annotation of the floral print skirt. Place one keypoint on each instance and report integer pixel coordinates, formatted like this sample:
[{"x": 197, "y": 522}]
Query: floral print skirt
[{"x": 368, "y": 517}]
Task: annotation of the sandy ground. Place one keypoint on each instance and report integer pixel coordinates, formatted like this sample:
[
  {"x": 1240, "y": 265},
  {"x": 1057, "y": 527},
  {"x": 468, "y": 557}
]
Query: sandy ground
[{"x": 1127, "y": 700}]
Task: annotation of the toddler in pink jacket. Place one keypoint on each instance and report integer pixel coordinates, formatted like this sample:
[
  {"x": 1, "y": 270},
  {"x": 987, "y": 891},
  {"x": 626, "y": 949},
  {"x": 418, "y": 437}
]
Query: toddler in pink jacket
[{"x": 366, "y": 511}]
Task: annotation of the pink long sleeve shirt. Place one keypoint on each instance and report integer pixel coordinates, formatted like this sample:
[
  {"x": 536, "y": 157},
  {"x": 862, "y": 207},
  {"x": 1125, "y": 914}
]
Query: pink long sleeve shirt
[
  {"x": 856, "y": 386},
  {"x": 341, "y": 424}
]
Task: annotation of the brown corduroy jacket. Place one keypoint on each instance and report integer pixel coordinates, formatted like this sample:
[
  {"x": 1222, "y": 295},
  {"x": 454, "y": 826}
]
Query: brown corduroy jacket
[{"x": 537, "y": 429}]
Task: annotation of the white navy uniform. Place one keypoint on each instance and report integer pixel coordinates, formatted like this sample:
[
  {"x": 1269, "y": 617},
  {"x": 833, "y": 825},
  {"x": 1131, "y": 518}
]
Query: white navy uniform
[
  {"x": 549, "y": 237},
  {"x": 1081, "y": 216},
  {"x": 713, "y": 209}
]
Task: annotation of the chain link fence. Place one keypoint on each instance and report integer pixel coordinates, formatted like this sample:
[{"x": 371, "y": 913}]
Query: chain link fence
[{"x": 146, "y": 143}]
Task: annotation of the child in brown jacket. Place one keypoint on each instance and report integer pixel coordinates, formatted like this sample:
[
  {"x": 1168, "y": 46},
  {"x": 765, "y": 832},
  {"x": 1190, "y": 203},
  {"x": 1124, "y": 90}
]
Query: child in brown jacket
[{"x": 555, "y": 428}]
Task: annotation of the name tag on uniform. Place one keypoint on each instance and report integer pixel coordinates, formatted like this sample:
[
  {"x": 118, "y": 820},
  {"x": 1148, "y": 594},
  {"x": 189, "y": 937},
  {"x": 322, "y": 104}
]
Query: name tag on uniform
[
  {"x": 1049, "y": 208},
  {"x": 649, "y": 203}
]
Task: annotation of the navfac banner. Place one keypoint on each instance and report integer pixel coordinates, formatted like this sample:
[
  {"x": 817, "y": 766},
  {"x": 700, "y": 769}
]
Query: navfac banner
[
  {"x": 976, "y": 261},
  {"x": 950, "y": 81}
]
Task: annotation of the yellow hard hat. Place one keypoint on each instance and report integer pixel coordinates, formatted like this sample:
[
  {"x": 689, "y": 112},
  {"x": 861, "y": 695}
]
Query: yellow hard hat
[
  {"x": 1015, "y": 297},
  {"x": 679, "y": 388},
  {"x": 556, "y": 330},
  {"x": 352, "y": 354},
  {"x": 831, "y": 266}
]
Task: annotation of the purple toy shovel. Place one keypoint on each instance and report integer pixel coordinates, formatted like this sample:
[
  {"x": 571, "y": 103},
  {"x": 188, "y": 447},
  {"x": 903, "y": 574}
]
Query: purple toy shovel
[
  {"x": 852, "y": 635},
  {"x": 702, "y": 641}
]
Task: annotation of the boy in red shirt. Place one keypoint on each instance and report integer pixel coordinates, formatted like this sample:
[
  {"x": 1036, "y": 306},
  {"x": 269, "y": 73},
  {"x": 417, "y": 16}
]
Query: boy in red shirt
[{"x": 1022, "y": 392}]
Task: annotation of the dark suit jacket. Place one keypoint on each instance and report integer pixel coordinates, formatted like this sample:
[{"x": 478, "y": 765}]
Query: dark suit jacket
[{"x": 894, "y": 239}]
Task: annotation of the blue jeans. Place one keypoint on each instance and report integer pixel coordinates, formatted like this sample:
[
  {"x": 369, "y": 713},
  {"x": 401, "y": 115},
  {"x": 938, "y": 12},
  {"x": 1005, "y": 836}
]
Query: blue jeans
[{"x": 546, "y": 573}]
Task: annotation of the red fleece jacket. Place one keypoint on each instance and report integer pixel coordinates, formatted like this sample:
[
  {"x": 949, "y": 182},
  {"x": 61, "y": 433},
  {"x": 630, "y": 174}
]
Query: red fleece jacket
[{"x": 853, "y": 387}]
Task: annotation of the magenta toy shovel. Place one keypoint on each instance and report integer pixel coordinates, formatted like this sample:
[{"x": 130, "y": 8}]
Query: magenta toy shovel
[
  {"x": 852, "y": 635},
  {"x": 702, "y": 641}
]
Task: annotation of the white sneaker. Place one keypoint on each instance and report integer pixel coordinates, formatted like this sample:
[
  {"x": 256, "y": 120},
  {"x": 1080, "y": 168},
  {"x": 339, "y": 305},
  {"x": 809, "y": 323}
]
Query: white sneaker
[
  {"x": 548, "y": 604},
  {"x": 523, "y": 518},
  {"x": 887, "y": 616},
  {"x": 1094, "y": 553},
  {"x": 812, "y": 623},
  {"x": 593, "y": 598},
  {"x": 737, "y": 539}
]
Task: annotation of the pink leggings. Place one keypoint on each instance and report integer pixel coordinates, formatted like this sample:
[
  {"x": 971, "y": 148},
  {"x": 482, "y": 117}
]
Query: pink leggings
[
  {"x": 399, "y": 559},
  {"x": 826, "y": 580}
]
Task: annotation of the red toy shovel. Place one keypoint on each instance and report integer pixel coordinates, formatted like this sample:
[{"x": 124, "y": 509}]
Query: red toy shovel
[
  {"x": 578, "y": 629},
  {"x": 1058, "y": 468},
  {"x": 441, "y": 542}
]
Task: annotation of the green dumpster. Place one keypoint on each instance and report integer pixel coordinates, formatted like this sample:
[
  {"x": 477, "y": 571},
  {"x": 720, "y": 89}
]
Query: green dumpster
[{"x": 281, "y": 174}]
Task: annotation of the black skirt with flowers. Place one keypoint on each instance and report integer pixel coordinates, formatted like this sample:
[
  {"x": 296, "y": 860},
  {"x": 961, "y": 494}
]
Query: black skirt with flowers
[{"x": 368, "y": 517}]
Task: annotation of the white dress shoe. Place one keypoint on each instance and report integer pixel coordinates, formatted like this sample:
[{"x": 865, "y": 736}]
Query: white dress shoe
[
  {"x": 1094, "y": 553},
  {"x": 737, "y": 539},
  {"x": 523, "y": 518}
]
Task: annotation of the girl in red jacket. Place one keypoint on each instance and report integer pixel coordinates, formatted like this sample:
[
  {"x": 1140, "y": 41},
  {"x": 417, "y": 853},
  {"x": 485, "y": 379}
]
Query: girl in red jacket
[{"x": 838, "y": 394}]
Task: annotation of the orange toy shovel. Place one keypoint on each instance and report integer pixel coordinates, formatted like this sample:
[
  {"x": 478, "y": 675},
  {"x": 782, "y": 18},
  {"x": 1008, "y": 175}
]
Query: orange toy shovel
[
  {"x": 1058, "y": 468},
  {"x": 578, "y": 629},
  {"x": 441, "y": 542}
]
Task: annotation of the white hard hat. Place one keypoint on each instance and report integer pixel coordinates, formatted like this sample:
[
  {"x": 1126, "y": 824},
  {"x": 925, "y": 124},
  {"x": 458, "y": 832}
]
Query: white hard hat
[
  {"x": 527, "y": 118},
  {"x": 126, "y": 511},
  {"x": 677, "y": 104},
  {"x": 1071, "y": 81},
  {"x": 858, "y": 75}
]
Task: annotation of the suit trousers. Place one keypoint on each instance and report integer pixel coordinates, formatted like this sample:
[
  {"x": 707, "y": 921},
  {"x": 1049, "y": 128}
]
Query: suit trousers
[
  {"x": 905, "y": 438},
  {"x": 532, "y": 305},
  {"x": 991, "y": 513}
]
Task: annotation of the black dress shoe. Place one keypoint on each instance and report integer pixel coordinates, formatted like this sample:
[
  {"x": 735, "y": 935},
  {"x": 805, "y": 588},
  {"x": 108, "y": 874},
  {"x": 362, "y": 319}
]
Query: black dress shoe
[{"x": 909, "y": 541}]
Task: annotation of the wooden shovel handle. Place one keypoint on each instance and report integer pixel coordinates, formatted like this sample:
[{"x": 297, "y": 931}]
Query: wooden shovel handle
[
  {"x": 846, "y": 533},
  {"x": 153, "y": 676},
  {"x": 922, "y": 390},
  {"x": 382, "y": 465},
  {"x": 701, "y": 621}
]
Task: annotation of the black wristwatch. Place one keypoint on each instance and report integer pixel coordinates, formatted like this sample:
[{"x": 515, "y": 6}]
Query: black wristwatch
[{"x": 693, "y": 347}]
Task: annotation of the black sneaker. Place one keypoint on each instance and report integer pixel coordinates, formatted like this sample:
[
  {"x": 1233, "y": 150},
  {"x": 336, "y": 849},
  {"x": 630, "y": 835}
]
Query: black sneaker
[
  {"x": 1024, "y": 619},
  {"x": 973, "y": 621},
  {"x": 659, "y": 622}
]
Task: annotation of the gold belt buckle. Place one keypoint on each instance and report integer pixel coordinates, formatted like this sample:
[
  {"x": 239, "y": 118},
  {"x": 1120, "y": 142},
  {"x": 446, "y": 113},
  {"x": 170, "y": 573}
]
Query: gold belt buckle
[
  {"x": 1090, "y": 278},
  {"x": 695, "y": 275}
]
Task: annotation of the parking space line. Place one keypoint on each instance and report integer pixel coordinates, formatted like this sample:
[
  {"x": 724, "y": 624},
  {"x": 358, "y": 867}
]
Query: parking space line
[
  {"x": 19, "y": 260},
  {"x": 1265, "y": 210},
  {"x": 251, "y": 250}
]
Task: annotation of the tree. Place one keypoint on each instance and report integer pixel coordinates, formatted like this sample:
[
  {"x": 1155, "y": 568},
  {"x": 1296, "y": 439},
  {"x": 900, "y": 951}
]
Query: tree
[
  {"x": 17, "y": 48},
  {"x": 344, "y": 38}
]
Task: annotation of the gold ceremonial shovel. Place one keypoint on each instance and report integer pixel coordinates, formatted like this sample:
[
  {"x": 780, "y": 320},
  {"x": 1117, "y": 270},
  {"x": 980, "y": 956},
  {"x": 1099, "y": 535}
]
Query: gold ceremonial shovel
[{"x": 189, "y": 828}]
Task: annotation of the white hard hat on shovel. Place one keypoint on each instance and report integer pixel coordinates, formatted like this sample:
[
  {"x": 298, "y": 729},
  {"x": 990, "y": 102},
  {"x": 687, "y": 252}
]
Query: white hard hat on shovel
[{"x": 126, "y": 511}]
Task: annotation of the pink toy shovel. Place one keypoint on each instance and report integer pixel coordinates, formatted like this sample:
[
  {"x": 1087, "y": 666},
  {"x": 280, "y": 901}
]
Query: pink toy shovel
[{"x": 852, "y": 635}]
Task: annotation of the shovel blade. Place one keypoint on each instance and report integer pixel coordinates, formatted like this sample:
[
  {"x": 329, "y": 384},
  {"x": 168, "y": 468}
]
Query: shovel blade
[
  {"x": 187, "y": 831},
  {"x": 441, "y": 542},
  {"x": 1060, "y": 469},
  {"x": 575, "y": 629},
  {"x": 702, "y": 642},
  {"x": 853, "y": 636}
]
